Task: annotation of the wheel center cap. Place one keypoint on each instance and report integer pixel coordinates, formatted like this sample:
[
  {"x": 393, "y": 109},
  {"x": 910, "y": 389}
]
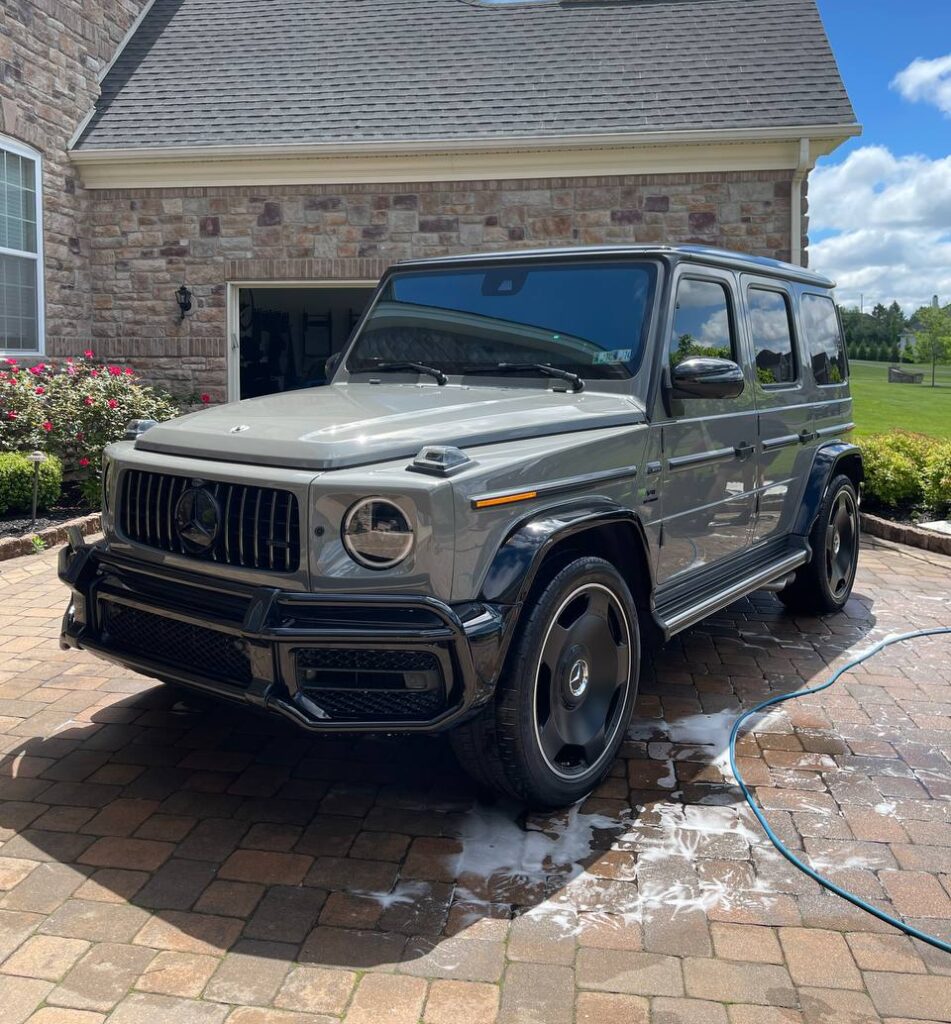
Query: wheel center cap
[
  {"x": 578, "y": 678},
  {"x": 836, "y": 543}
]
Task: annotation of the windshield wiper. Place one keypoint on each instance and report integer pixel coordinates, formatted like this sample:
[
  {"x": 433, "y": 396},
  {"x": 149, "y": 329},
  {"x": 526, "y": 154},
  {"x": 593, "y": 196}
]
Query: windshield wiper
[
  {"x": 577, "y": 384},
  {"x": 430, "y": 371}
]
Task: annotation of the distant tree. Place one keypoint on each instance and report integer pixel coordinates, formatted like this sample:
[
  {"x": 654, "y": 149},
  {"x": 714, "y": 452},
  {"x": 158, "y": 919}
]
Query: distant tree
[
  {"x": 933, "y": 342},
  {"x": 896, "y": 322}
]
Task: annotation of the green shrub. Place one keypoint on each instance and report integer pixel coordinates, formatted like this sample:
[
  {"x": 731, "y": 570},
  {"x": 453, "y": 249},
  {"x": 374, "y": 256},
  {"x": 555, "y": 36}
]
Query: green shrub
[
  {"x": 915, "y": 446},
  {"x": 936, "y": 479},
  {"x": 73, "y": 410},
  {"x": 16, "y": 483},
  {"x": 891, "y": 469}
]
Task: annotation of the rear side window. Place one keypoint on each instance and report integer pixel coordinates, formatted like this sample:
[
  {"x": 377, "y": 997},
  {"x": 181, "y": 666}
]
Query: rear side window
[
  {"x": 823, "y": 339},
  {"x": 771, "y": 327},
  {"x": 702, "y": 324}
]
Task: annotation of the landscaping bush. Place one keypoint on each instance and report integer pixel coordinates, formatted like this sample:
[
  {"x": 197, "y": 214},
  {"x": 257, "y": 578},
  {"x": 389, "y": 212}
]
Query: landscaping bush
[
  {"x": 892, "y": 470},
  {"x": 936, "y": 479},
  {"x": 73, "y": 410},
  {"x": 904, "y": 469},
  {"x": 16, "y": 483}
]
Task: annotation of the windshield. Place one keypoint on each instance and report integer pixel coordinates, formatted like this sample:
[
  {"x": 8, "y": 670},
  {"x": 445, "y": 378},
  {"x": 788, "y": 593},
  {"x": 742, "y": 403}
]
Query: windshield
[{"x": 587, "y": 318}]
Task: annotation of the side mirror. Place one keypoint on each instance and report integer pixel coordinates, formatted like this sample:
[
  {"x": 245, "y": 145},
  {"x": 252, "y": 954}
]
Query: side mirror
[
  {"x": 706, "y": 377},
  {"x": 333, "y": 362}
]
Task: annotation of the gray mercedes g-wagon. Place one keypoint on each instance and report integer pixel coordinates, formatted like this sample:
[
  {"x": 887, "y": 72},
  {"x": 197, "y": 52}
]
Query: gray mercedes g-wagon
[{"x": 523, "y": 463}]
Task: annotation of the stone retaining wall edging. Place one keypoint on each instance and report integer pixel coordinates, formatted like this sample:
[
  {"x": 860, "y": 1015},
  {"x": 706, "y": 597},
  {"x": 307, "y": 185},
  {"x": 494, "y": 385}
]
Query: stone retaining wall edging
[
  {"x": 14, "y": 547},
  {"x": 903, "y": 533}
]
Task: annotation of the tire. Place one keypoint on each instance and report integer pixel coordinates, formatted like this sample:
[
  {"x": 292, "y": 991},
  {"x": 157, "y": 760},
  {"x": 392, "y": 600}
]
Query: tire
[
  {"x": 825, "y": 582},
  {"x": 566, "y": 694}
]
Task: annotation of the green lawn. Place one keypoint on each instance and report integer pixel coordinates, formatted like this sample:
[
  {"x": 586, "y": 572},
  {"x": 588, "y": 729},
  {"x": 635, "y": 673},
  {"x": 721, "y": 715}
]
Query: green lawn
[{"x": 880, "y": 406}]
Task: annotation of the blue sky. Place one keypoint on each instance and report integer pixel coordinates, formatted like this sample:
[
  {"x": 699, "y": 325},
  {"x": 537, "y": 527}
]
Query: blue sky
[
  {"x": 880, "y": 205},
  {"x": 873, "y": 40}
]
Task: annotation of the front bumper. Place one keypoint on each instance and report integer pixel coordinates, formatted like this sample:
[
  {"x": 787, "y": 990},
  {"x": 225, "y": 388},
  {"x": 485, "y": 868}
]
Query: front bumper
[{"x": 329, "y": 662}]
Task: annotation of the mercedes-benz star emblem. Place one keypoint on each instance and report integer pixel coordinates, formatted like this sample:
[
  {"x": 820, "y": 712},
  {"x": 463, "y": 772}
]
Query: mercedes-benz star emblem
[
  {"x": 197, "y": 520},
  {"x": 578, "y": 678}
]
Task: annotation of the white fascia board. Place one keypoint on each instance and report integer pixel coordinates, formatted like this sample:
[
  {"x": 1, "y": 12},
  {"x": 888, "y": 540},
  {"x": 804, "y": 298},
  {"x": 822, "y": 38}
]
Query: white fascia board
[{"x": 453, "y": 159}]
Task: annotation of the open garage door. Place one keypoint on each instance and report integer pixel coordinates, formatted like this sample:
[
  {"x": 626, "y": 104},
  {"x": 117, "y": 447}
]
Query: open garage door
[{"x": 282, "y": 335}]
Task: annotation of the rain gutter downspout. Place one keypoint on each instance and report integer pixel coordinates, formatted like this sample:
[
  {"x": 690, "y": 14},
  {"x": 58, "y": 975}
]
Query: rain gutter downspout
[{"x": 795, "y": 229}]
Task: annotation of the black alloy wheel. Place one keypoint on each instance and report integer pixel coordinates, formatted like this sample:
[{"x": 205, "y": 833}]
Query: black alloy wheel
[
  {"x": 583, "y": 673},
  {"x": 824, "y": 583},
  {"x": 566, "y": 694}
]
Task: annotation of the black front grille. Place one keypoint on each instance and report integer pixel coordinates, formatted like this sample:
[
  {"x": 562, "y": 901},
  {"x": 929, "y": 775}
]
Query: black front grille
[
  {"x": 368, "y": 660},
  {"x": 259, "y": 527},
  {"x": 378, "y": 705},
  {"x": 372, "y": 685},
  {"x": 206, "y": 651}
]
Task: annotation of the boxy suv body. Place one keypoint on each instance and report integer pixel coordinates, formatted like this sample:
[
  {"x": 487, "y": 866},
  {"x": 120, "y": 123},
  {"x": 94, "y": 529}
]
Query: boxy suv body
[{"x": 524, "y": 464}]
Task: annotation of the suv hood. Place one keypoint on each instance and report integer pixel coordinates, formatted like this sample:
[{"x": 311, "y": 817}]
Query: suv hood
[{"x": 355, "y": 424}]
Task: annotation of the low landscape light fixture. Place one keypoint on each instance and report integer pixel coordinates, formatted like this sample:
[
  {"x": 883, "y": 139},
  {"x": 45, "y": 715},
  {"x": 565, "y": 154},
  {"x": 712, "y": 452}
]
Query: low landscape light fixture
[
  {"x": 184, "y": 297},
  {"x": 37, "y": 458}
]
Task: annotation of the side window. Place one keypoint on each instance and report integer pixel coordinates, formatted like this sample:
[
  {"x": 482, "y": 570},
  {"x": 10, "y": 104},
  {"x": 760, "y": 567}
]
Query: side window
[
  {"x": 823, "y": 339},
  {"x": 702, "y": 322},
  {"x": 771, "y": 328}
]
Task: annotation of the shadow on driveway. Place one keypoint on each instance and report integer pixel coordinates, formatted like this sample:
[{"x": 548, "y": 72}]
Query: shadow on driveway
[{"x": 180, "y": 822}]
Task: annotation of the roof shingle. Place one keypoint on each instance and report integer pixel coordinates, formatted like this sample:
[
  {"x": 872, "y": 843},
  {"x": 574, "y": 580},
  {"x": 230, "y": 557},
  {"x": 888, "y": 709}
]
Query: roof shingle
[{"x": 291, "y": 72}]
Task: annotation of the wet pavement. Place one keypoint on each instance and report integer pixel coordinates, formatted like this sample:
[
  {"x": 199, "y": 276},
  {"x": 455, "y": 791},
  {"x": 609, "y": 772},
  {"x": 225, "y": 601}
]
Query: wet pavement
[{"x": 163, "y": 857}]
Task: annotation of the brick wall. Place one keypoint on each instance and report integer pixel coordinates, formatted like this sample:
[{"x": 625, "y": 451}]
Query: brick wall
[
  {"x": 51, "y": 52},
  {"x": 142, "y": 244}
]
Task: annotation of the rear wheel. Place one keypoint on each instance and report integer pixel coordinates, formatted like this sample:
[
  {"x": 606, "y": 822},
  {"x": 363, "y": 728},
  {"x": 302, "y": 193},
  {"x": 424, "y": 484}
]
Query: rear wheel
[
  {"x": 825, "y": 582},
  {"x": 566, "y": 695}
]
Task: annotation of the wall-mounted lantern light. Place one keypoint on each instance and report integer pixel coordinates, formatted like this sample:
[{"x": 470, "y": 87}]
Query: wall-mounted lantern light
[{"x": 184, "y": 297}]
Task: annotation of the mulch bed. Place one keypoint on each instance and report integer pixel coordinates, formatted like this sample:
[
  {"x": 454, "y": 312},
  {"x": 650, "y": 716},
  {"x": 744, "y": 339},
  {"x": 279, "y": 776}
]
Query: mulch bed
[
  {"x": 16, "y": 537},
  {"x": 71, "y": 505}
]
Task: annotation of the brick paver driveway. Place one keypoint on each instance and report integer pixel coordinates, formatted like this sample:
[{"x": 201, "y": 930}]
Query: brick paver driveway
[{"x": 163, "y": 859}]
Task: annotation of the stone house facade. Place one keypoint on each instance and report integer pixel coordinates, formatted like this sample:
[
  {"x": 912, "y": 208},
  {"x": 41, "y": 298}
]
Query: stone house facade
[{"x": 141, "y": 195}]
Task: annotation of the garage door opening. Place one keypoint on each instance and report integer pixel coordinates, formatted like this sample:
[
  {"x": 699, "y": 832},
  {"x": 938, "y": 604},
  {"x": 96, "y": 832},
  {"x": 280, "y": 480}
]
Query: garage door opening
[{"x": 283, "y": 336}]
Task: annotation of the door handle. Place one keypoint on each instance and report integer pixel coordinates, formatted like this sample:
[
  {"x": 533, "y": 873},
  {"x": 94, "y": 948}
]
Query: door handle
[
  {"x": 744, "y": 451},
  {"x": 805, "y": 436}
]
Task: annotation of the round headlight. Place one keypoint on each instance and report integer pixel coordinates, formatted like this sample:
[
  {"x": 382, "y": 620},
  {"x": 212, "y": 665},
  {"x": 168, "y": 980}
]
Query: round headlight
[{"x": 377, "y": 534}]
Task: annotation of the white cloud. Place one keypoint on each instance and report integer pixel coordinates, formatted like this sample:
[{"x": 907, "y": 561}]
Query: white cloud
[
  {"x": 890, "y": 223},
  {"x": 928, "y": 81}
]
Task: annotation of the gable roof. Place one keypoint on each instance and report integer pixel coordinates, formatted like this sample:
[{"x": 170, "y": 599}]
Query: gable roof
[{"x": 225, "y": 73}]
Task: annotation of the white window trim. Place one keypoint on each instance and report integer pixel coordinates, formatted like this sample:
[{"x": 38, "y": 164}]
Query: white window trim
[{"x": 12, "y": 146}]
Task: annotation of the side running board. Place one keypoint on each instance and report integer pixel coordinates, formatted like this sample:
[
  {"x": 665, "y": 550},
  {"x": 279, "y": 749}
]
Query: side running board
[{"x": 678, "y": 617}]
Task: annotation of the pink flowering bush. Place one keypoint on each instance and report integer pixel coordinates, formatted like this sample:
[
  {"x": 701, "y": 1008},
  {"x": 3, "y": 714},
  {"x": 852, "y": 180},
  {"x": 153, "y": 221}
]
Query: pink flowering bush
[{"x": 73, "y": 409}]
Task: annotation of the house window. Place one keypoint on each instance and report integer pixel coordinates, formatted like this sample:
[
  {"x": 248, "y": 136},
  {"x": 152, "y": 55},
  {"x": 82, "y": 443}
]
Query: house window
[{"x": 21, "y": 260}]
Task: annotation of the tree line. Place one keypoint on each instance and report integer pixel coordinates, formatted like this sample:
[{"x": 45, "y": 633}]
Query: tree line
[{"x": 877, "y": 335}]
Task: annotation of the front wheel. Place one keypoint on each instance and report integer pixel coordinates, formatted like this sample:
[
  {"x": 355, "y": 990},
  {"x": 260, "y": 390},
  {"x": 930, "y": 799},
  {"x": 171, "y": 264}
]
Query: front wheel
[
  {"x": 825, "y": 582},
  {"x": 566, "y": 695}
]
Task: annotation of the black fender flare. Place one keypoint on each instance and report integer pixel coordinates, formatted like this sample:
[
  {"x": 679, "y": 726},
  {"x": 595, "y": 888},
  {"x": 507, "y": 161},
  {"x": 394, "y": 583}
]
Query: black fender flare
[
  {"x": 827, "y": 459},
  {"x": 520, "y": 556}
]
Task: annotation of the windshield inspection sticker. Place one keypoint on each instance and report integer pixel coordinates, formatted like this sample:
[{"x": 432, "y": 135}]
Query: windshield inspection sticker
[{"x": 617, "y": 355}]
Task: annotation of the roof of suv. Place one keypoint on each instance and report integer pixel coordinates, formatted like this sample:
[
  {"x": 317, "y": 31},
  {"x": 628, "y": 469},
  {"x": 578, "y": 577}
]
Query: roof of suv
[{"x": 692, "y": 253}]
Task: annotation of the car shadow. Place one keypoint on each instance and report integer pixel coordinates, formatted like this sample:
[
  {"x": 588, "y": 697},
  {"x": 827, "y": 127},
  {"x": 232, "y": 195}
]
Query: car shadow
[{"x": 214, "y": 828}]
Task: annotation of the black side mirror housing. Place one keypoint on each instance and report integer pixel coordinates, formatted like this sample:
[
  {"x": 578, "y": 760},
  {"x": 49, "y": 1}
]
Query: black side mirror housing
[{"x": 706, "y": 377}]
